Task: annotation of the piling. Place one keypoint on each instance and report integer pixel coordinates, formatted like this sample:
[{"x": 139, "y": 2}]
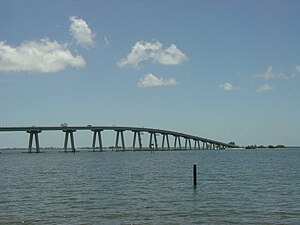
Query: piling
[{"x": 195, "y": 175}]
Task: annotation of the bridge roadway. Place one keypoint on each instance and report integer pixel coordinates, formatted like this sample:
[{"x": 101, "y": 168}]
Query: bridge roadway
[{"x": 137, "y": 132}]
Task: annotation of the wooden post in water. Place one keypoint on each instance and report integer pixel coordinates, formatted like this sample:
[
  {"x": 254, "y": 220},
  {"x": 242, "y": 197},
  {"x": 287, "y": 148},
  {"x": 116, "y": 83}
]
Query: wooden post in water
[{"x": 195, "y": 175}]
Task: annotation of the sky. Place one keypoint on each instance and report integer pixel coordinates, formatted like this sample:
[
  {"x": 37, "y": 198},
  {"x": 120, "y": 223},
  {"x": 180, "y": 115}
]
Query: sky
[{"x": 224, "y": 70}]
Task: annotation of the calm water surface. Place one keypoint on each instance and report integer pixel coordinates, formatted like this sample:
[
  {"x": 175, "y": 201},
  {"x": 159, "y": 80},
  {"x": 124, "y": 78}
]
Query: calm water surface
[{"x": 234, "y": 187}]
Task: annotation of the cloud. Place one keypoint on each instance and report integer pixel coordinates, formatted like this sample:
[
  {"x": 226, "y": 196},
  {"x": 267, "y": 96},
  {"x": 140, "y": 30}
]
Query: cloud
[
  {"x": 269, "y": 74},
  {"x": 228, "y": 87},
  {"x": 106, "y": 41},
  {"x": 81, "y": 32},
  {"x": 169, "y": 56},
  {"x": 296, "y": 72},
  {"x": 265, "y": 87},
  {"x": 43, "y": 56},
  {"x": 143, "y": 51},
  {"x": 150, "y": 80}
]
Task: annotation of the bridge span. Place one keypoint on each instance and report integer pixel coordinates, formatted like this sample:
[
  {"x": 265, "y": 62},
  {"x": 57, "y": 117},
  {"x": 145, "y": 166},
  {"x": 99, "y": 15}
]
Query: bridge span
[{"x": 178, "y": 138}]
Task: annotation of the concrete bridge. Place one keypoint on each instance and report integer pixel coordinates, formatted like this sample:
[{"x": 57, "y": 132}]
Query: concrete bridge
[{"x": 190, "y": 142}]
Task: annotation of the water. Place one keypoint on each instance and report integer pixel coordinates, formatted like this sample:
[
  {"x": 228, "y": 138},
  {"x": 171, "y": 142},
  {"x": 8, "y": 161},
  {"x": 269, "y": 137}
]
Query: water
[{"x": 234, "y": 187}]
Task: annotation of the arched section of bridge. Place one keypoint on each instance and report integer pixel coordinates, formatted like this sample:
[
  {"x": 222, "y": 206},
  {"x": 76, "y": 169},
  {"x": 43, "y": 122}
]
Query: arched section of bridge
[{"x": 154, "y": 136}]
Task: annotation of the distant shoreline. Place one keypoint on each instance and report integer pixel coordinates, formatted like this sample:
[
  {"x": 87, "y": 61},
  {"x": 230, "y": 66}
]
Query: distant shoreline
[{"x": 265, "y": 147}]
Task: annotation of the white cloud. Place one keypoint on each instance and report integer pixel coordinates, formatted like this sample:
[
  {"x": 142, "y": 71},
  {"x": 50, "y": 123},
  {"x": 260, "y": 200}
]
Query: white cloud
[
  {"x": 81, "y": 32},
  {"x": 265, "y": 87},
  {"x": 269, "y": 74},
  {"x": 106, "y": 41},
  {"x": 150, "y": 80},
  {"x": 228, "y": 87},
  {"x": 169, "y": 56},
  {"x": 37, "y": 56},
  {"x": 296, "y": 72},
  {"x": 143, "y": 51}
]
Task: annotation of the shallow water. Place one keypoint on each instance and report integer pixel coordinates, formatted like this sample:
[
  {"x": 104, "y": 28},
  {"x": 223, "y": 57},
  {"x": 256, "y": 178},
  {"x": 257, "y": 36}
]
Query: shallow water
[{"x": 234, "y": 187}]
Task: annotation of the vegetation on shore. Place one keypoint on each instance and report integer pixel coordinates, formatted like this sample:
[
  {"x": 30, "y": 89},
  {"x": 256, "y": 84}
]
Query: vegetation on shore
[{"x": 264, "y": 147}]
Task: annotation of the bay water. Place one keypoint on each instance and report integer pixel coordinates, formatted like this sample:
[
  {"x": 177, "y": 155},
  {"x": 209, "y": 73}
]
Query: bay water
[{"x": 234, "y": 187}]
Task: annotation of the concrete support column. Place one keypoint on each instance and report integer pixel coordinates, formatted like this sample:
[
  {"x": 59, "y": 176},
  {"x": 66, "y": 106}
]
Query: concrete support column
[
  {"x": 207, "y": 145},
  {"x": 168, "y": 142},
  {"x": 150, "y": 140},
  {"x": 155, "y": 140},
  {"x": 122, "y": 139},
  {"x": 138, "y": 135},
  {"x": 67, "y": 133},
  {"x": 37, "y": 145},
  {"x": 140, "y": 140},
  {"x": 177, "y": 138},
  {"x": 197, "y": 144},
  {"x": 153, "y": 135},
  {"x": 30, "y": 142},
  {"x": 188, "y": 141},
  {"x": 97, "y": 133},
  {"x": 134, "y": 138},
  {"x": 164, "y": 138}
]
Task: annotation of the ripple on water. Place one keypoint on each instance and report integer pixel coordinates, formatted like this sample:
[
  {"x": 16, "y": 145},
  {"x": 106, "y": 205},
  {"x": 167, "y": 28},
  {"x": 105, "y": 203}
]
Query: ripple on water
[{"x": 234, "y": 187}]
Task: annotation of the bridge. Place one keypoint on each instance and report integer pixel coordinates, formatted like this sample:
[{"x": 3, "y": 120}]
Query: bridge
[{"x": 177, "y": 138}]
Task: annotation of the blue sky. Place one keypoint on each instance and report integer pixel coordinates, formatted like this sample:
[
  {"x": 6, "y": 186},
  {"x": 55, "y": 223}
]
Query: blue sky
[{"x": 225, "y": 70}]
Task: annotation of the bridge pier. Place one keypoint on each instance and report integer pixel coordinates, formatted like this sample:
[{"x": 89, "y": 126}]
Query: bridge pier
[
  {"x": 208, "y": 145},
  {"x": 37, "y": 145},
  {"x": 97, "y": 133},
  {"x": 69, "y": 132},
  {"x": 165, "y": 136},
  {"x": 122, "y": 139},
  {"x": 177, "y": 138},
  {"x": 153, "y": 134},
  {"x": 137, "y": 133},
  {"x": 197, "y": 143},
  {"x": 188, "y": 141}
]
